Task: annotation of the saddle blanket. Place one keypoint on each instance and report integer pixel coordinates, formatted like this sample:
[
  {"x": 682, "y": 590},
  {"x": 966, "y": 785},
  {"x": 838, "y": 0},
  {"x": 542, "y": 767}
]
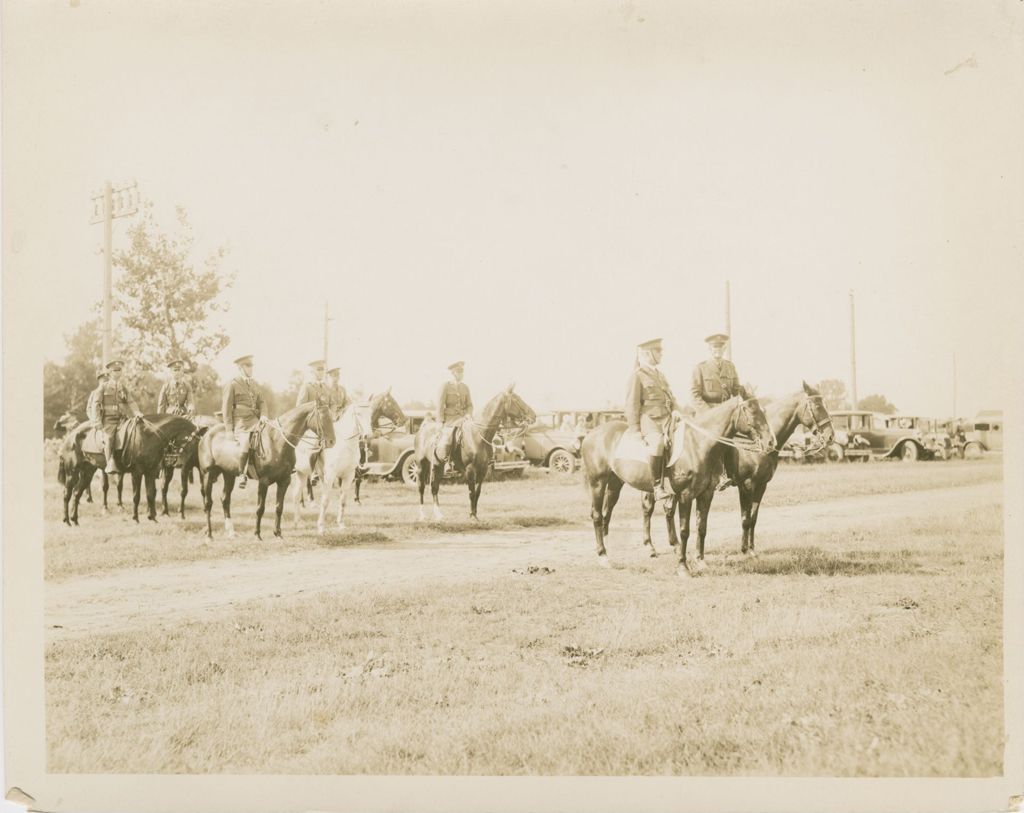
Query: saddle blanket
[
  {"x": 631, "y": 446},
  {"x": 92, "y": 439}
]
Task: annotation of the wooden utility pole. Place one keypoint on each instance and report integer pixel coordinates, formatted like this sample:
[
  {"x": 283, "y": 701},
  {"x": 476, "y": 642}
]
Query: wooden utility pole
[
  {"x": 954, "y": 385},
  {"x": 853, "y": 356},
  {"x": 109, "y": 204},
  {"x": 326, "y": 320},
  {"x": 728, "y": 322}
]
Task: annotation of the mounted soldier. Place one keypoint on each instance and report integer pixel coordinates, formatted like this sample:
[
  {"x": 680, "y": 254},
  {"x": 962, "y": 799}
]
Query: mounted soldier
[
  {"x": 649, "y": 405},
  {"x": 715, "y": 380},
  {"x": 176, "y": 396},
  {"x": 337, "y": 396},
  {"x": 243, "y": 408},
  {"x": 66, "y": 422},
  {"x": 112, "y": 405},
  {"x": 453, "y": 404},
  {"x": 317, "y": 389}
]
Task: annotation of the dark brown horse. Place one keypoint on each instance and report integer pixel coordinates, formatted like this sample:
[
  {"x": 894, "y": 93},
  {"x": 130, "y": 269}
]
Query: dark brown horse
[
  {"x": 185, "y": 456},
  {"x": 272, "y": 456},
  {"x": 145, "y": 440},
  {"x": 751, "y": 471},
  {"x": 472, "y": 448},
  {"x": 693, "y": 470}
]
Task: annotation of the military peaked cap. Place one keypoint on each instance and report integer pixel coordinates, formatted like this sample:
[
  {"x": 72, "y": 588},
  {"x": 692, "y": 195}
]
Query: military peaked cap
[
  {"x": 175, "y": 363},
  {"x": 650, "y": 344},
  {"x": 243, "y": 359},
  {"x": 115, "y": 364},
  {"x": 717, "y": 338},
  {"x": 334, "y": 370},
  {"x": 317, "y": 364},
  {"x": 458, "y": 365}
]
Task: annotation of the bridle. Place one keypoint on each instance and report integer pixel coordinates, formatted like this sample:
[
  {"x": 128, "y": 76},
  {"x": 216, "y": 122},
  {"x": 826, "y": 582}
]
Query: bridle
[
  {"x": 740, "y": 445},
  {"x": 819, "y": 425},
  {"x": 518, "y": 426},
  {"x": 318, "y": 429}
]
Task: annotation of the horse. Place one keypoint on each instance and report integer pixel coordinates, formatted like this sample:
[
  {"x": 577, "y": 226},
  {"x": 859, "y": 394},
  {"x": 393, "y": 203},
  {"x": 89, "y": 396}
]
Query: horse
[
  {"x": 472, "y": 447},
  {"x": 272, "y": 456},
  {"x": 186, "y": 458},
  {"x": 144, "y": 440},
  {"x": 342, "y": 460},
  {"x": 751, "y": 471},
  {"x": 693, "y": 469}
]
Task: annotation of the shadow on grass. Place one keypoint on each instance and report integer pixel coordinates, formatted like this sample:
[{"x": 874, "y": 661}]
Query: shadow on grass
[
  {"x": 817, "y": 562},
  {"x": 351, "y": 539}
]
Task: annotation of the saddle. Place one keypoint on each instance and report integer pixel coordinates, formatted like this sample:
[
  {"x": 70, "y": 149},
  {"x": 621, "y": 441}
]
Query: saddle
[
  {"x": 456, "y": 431},
  {"x": 92, "y": 438}
]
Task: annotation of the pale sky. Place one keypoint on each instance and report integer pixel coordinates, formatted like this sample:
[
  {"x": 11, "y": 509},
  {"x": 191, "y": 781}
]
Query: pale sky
[{"x": 537, "y": 187}]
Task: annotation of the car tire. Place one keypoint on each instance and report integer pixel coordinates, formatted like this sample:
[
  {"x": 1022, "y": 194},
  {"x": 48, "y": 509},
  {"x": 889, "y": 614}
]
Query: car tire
[
  {"x": 561, "y": 462},
  {"x": 410, "y": 469},
  {"x": 973, "y": 451},
  {"x": 909, "y": 452},
  {"x": 835, "y": 453}
]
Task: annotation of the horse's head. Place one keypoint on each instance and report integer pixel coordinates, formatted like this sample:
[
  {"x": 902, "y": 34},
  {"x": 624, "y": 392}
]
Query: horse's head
[
  {"x": 751, "y": 421},
  {"x": 515, "y": 410},
  {"x": 319, "y": 420},
  {"x": 384, "y": 405},
  {"x": 814, "y": 416}
]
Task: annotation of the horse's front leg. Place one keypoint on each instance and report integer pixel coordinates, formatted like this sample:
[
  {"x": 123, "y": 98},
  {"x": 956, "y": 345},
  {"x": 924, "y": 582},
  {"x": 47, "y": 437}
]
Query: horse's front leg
[
  {"x": 646, "y": 510},
  {"x": 69, "y": 488},
  {"x": 421, "y": 484},
  {"x": 744, "y": 517},
  {"x": 136, "y": 493},
  {"x": 79, "y": 488},
  {"x": 282, "y": 490},
  {"x": 598, "y": 486},
  {"x": 225, "y": 502},
  {"x": 261, "y": 504},
  {"x": 703, "y": 509},
  {"x": 150, "y": 479},
  {"x": 474, "y": 492},
  {"x": 325, "y": 501},
  {"x": 436, "y": 474},
  {"x": 207, "y": 491},
  {"x": 755, "y": 507},
  {"x": 670, "y": 521},
  {"x": 685, "y": 505},
  {"x": 186, "y": 475},
  {"x": 120, "y": 489},
  {"x": 299, "y": 500},
  {"x": 106, "y": 487}
]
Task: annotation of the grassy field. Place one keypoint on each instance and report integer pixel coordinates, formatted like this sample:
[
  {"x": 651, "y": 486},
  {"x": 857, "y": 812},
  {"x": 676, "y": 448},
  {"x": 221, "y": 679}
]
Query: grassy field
[
  {"x": 868, "y": 653},
  {"x": 388, "y": 513}
]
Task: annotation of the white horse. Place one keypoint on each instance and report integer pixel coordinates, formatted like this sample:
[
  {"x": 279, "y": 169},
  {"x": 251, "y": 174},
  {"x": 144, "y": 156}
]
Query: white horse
[{"x": 356, "y": 422}]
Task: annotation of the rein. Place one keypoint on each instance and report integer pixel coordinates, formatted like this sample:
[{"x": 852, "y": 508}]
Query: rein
[
  {"x": 816, "y": 434},
  {"x": 739, "y": 445}
]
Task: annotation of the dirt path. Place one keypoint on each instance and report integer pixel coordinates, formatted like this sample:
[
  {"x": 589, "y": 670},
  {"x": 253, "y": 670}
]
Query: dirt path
[{"x": 171, "y": 594}]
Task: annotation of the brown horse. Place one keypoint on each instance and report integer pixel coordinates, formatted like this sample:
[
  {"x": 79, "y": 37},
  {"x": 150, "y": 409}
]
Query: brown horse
[
  {"x": 751, "y": 471},
  {"x": 693, "y": 470},
  {"x": 272, "y": 457},
  {"x": 184, "y": 456},
  {"x": 472, "y": 447},
  {"x": 145, "y": 440}
]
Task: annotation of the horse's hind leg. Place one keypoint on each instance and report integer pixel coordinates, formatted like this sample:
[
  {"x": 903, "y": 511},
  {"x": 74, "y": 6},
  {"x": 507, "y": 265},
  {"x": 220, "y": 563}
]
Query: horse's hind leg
[
  {"x": 207, "y": 490},
  {"x": 136, "y": 493},
  {"x": 168, "y": 473},
  {"x": 150, "y": 478},
  {"x": 744, "y": 517},
  {"x": 755, "y": 507},
  {"x": 611, "y": 498},
  {"x": 120, "y": 489},
  {"x": 186, "y": 477},
  {"x": 436, "y": 475},
  {"x": 685, "y": 506},
  {"x": 421, "y": 483},
  {"x": 647, "y": 510},
  {"x": 598, "y": 487},
  {"x": 80, "y": 484},
  {"x": 225, "y": 502},
  {"x": 474, "y": 493},
  {"x": 325, "y": 501},
  {"x": 261, "y": 504},
  {"x": 703, "y": 509},
  {"x": 69, "y": 488},
  {"x": 282, "y": 490},
  {"x": 299, "y": 501},
  {"x": 346, "y": 484}
]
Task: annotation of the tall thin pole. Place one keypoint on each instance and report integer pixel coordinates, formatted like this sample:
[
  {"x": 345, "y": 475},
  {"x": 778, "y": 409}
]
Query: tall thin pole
[
  {"x": 108, "y": 228},
  {"x": 853, "y": 355},
  {"x": 728, "y": 322}
]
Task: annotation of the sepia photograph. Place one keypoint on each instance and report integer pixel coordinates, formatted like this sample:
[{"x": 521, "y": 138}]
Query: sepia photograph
[{"x": 513, "y": 406}]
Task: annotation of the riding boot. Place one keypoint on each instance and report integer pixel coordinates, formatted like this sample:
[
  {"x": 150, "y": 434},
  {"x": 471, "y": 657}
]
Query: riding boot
[
  {"x": 314, "y": 468},
  {"x": 658, "y": 476},
  {"x": 243, "y": 470}
]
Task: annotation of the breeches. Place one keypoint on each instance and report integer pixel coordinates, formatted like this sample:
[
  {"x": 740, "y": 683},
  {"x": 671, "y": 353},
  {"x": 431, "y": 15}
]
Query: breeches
[
  {"x": 653, "y": 431},
  {"x": 243, "y": 436}
]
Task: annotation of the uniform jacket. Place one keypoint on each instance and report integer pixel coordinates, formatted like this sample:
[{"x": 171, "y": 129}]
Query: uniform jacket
[
  {"x": 648, "y": 393},
  {"x": 243, "y": 402},
  {"x": 177, "y": 398},
  {"x": 313, "y": 391},
  {"x": 111, "y": 403},
  {"x": 713, "y": 384},
  {"x": 453, "y": 401},
  {"x": 337, "y": 398}
]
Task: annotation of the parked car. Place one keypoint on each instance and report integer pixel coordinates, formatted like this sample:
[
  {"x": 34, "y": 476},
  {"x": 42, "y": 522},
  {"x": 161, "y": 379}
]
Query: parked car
[
  {"x": 983, "y": 433},
  {"x": 935, "y": 438},
  {"x": 863, "y": 435},
  {"x": 554, "y": 439},
  {"x": 391, "y": 455},
  {"x": 802, "y": 447}
]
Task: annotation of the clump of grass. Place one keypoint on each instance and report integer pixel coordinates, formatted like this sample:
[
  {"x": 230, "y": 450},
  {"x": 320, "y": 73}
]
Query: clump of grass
[{"x": 814, "y": 561}]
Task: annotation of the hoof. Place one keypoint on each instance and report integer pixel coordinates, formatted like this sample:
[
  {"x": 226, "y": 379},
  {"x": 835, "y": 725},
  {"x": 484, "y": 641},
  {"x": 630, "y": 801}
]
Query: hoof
[
  {"x": 340, "y": 526},
  {"x": 278, "y": 534},
  {"x": 603, "y": 561},
  {"x": 321, "y": 531},
  {"x": 683, "y": 573},
  {"x": 438, "y": 516},
  {"x": 257, "y": 535},
  {"x": 700, "y": 565},
  {"x": 653, "y": 554}
]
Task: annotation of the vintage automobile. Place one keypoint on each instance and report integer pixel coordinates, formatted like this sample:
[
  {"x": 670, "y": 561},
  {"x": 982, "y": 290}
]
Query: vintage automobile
[
  {"x": 802, "y": 448},
  {"x": 935, "y": 439},
  {"x": 554, "y": 439},
  {"x": 984, "y": 433},
  {"x": 864, "y": 435},
  {"x": 390, "y": 455}
]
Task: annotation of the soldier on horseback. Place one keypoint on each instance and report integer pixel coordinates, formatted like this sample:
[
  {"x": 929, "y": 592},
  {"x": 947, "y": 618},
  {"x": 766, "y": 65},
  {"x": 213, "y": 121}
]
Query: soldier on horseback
[
  {"x": 337, "y": 397},
  {"x": 176, "y": 396},
  {"x": 112, "y": 404},
  {"x": 649, "y": 405},
  {"x": 314, "y": 387},
  {"x": 715, "y": 380},
  {"x": 453, "y": 404},
  {"x": 243, "y": 409}
]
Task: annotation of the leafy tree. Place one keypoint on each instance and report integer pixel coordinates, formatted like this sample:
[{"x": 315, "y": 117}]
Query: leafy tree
[
  {"x": 877, "y": 403},
  {"x": 66, "y": 386},
  {"x": 164, "y": 300},
  {"x": 833, "y": 392}
]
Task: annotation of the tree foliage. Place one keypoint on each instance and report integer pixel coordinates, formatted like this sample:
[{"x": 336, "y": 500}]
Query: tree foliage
[
  {"x": 833, "y": 392},
  {"x": 877, "y": 403},
  {"x": 164, "y": 300}
]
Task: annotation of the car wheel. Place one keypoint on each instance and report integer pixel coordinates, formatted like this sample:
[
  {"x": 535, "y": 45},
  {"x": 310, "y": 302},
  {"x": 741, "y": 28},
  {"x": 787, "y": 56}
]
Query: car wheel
[
  {"x": 410, "y": 470},
  {"x": 835, "y": 453},
  {"x": 973, "y": 451},
  {"x": 561, "y": 462},
  {"x": 909, "y": 452}
]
